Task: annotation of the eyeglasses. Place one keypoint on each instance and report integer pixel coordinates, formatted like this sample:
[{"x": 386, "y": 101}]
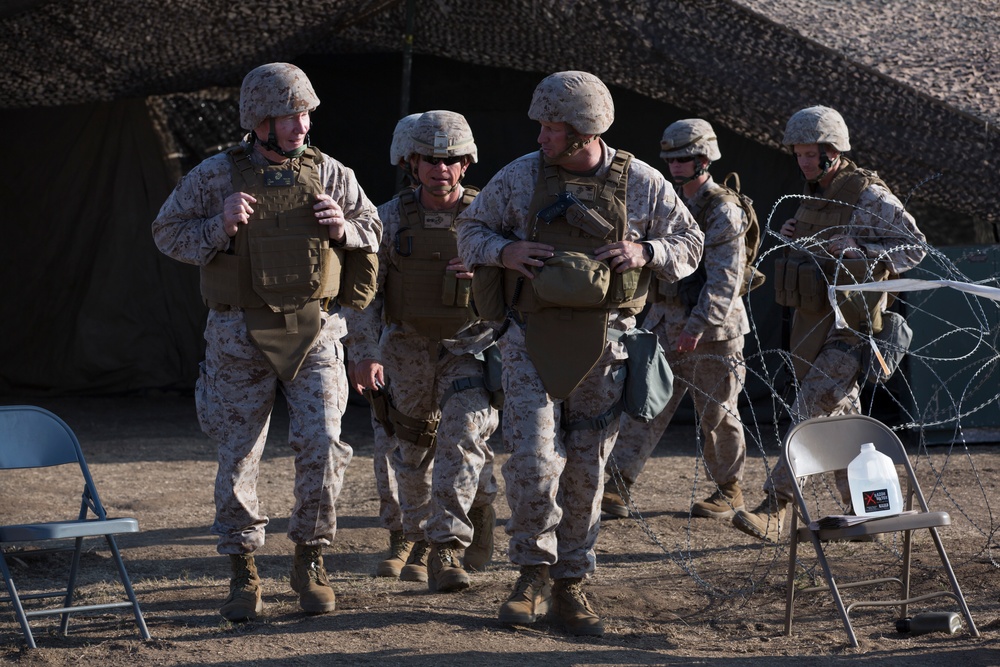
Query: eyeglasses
[
  {"x": 431, "y": 160},
  {"x": 682, "y": 160}
]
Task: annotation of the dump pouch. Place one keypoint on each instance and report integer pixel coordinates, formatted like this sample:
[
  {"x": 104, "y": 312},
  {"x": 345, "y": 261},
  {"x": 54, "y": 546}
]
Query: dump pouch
[
  {"x": 649, "y": 383},
  {"x": 284, "y": 338},
  {"x": 893, "y": 342},
  {"x": 564, "y": 345},
  {"x": 572, "y": 280}
]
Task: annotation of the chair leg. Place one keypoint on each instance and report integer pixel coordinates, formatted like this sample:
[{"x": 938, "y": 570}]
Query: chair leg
[
  {"x": 71, "y": 586},
  {"x": 973, "y": 630},
  {"x": 15, "y": 600},
  {"x": 790, "y": 599},
  {"x": 907, "y": 560},
  {"x": 834, "y": 590},
  {"x": 127, "y": 583}
]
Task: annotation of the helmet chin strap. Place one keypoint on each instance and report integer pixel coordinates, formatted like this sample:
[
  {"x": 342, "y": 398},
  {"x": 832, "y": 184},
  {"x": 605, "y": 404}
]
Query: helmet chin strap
[
  {"x": 272, "y": 143},
  {"x": 576, "y": 144},
  {"x": 826, "y": 164},
  {"x": 698, "y": 171}
]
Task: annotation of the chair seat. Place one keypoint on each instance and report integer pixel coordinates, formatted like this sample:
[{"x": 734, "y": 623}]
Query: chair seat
[
  {"x": 57, "y": 530},
  {"x": 889, "y": 524}
]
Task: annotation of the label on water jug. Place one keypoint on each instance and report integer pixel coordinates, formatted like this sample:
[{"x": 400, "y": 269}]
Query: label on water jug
[{"x": 876, "y": 501}]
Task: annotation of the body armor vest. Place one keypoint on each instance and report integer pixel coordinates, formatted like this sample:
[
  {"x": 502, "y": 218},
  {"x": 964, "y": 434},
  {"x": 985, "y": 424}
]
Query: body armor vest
[
  {"x": 282, "y": 258},
  {"x": 419, "y": 290}
]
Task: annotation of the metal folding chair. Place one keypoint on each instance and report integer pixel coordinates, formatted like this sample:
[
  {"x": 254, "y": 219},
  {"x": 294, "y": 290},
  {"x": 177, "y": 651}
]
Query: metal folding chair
[
  {"x": 826, "y": 444},
  {"x": 31, "y": 437}
]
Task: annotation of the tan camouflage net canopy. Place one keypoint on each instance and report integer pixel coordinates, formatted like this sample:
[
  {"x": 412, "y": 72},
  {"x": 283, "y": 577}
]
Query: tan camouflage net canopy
[{"x": 720, "y": 60}]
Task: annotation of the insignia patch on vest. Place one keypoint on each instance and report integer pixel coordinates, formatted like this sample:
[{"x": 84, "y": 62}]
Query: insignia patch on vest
[
  {"x": 278, "y": 178},
  {"x": 438, "y": 220},
  {"x": 583, "y": 191}
]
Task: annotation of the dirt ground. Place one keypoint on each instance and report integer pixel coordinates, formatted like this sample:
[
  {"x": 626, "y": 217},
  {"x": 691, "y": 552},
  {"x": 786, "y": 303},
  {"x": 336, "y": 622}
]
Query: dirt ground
[{"x": 671, "y": 589}]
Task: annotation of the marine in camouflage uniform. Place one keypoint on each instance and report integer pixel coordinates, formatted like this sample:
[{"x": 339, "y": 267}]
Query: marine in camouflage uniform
[
  {"x": 849, "y": 228},
  {"x": 205, "y": 222},
  {"x": 386, "y": 486},
  {"x": 428, "y": 358},
  {"x": 700, "y": 322},
  {"x": 560, "y": 428}
]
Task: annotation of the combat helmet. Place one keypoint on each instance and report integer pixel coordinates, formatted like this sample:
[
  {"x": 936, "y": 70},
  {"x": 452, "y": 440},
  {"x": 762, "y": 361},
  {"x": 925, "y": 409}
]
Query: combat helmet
[
  {"x": 817, "y": 125},
  {"x": 577, "y": 98},
  {"x": 402, "y": 142},
  {"x": 273, "y": 90},
  {"x": 690, "y": 137},
  {"x": 443, "y": 134}
]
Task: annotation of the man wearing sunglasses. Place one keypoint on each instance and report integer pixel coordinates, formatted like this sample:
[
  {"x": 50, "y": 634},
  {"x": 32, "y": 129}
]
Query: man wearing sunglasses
[
  {"x": 426, "y": 364},
  {"x": 700, "y": 321},
  {"x": 560, "y": 276}
]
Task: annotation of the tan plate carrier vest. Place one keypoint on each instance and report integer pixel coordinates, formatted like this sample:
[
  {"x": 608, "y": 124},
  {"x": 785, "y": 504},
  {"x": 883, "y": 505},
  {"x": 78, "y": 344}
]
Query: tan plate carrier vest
[
  {"x": 801, "y": 278},
  {"x": 281, "y": 264},
  {"x": 419, "y": 290},
  {"x": 566, "y": 342}
]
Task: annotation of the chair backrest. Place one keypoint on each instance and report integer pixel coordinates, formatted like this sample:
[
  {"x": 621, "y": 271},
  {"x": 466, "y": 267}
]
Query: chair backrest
[
  {"x": 32, "y": 437},
  {"x": 824, "y": 444}
]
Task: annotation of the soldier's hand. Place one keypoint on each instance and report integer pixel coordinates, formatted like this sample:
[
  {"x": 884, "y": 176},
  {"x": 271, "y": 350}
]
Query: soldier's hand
[
  {"x": 842, "y": 244},
  {"x": 458, "y": 266},
  {"x": 788, "y": 229},
  {"x": 522, "y": 255},
  {"x": 687, "y": 342},
  {"x": 622, "y": 255},
  {"x": 236, "y": 211},
  {"x": 369, "y": 374},
  {"x": 329, "y": 213}
]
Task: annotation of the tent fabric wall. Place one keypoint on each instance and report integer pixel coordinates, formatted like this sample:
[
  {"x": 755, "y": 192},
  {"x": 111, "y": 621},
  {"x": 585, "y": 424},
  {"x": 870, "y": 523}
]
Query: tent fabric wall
[{"x": 89, "y": 304}]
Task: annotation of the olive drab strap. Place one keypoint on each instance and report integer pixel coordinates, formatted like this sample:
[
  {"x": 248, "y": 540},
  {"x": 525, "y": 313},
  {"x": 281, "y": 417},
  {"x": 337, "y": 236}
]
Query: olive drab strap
[{"x": 419, "y": 289}]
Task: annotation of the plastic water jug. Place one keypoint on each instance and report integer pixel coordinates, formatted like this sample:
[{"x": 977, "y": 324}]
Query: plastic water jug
[{"x": 874, "y": 484}]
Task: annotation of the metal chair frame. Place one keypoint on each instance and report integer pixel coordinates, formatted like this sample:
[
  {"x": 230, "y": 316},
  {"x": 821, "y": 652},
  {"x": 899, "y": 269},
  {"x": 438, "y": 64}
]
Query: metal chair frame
[
  {"x": 32, "y": 437},
  {"x": 826, "y": 444}
]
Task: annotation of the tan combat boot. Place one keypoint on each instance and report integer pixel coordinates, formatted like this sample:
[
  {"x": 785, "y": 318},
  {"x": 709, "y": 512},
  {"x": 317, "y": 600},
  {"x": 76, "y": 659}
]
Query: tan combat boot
[
  {"x": 479, "y": 554},
  {"x": 399, "y": 551},
  {"x": 723, "y": 504},
  {"x": 243, "y": 603},
  {"x": 416, "y": 565},
  {"x": 765, "y": 522},
  {"x": 531, "y": 597},
  {"x": 571, "y": 610},
  {"x": 613, "y": 502},
  {"x": 444, "y": 568},
  {"x": 309, "y": 580}
]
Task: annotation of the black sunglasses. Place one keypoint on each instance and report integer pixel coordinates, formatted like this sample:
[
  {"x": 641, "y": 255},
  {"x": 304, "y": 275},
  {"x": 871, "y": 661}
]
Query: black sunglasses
[
  {"x": 682, "y": 160},
  {"x": 430, "y": 159}
]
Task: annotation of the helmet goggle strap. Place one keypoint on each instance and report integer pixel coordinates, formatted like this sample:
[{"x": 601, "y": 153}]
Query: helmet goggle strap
[{"x": 272, "y": 143}]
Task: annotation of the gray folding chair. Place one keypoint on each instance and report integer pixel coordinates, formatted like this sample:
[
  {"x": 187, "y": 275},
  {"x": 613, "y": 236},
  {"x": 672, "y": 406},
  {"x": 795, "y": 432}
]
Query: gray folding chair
[
  {"x": 826, "y": 444},
  {"x": 32, "y": 437}
]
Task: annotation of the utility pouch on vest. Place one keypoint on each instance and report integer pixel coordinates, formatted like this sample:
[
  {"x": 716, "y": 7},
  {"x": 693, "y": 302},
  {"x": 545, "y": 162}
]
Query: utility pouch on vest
[
  {"x": 564, "y": 345},
  {"x": 487, "y": 293},
  {"x": 455, "y": 291},
  {"x": 572, "y": 280},
  {"x": 811, "y": 288},
  {"x": 275, "y": 264},
  {"x": 649, "y": 383},
  {"x": 284, "y": 338},
  {"x": 892, "y": 342},
  {"x": 626, "y": 285},
  {"x": 379, "y": 400},
  {"x": 359, "y": 279},
  {"x": 492, "y": 371}
]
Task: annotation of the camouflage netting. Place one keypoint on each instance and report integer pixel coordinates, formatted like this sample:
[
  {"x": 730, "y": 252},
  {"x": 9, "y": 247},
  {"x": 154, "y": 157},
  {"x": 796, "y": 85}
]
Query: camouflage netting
[{"x": 717, "y": 59}]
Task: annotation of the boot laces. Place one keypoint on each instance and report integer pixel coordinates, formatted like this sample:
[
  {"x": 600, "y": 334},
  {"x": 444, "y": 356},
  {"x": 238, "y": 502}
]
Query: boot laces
[{"x": 398, "y": 544}]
